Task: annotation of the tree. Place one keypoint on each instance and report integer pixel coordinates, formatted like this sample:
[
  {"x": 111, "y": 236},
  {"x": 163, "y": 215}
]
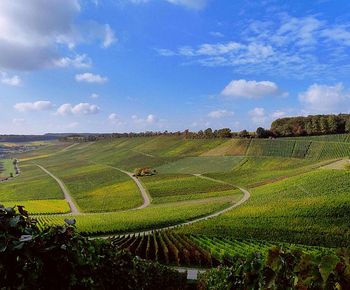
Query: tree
[
  {"x": 261, "y": 132},
  {"x": 224, "y": 133},
  {"x": 208, "y": 133}
]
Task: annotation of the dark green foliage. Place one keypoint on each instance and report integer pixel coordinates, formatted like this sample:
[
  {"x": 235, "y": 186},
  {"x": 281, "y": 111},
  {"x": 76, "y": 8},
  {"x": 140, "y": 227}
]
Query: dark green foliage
[
  {"x": 282, "y": 270},
  {"x": 58, "y": 258},
  {"x": 311, "y": 125}
]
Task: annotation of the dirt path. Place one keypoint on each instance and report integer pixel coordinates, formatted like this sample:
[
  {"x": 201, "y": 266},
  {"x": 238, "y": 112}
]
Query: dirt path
[
  {"x": 143, "y": 191},
  {"x": 67, "y": 197},
  {"x": 246, "y": 196}
]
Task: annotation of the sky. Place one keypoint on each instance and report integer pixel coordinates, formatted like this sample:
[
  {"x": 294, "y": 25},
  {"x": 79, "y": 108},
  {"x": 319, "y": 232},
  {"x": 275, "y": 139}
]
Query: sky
[{"x": 138, "y": 65}]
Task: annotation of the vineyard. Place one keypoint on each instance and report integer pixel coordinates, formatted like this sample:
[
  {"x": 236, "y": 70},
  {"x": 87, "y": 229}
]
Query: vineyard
[
  {"x": 156, "y": 216},
  {"x": 167, "y": 247},
  {"x": 171, "y": 248},
  {"x": 311, "y": 208},
  {"x": 292, "y": 200}
]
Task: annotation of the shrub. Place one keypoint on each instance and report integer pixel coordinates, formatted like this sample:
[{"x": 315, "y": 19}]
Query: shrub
[
  {"x": 58, "y": 258},
  {"x": 282, "y": 270}
]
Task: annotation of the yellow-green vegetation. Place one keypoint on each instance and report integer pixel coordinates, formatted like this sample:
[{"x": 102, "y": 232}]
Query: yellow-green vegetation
[
  {"x": 231, "y": 147},
  {"x": 167, "y": 187},
  {"x": 312, "y": 208},
  {"x": 31, "y": 184},
  {"x": 255, "y": 171},
  {"x": 95, "y": 187},
  {"x": 276, "y": 172},
  {"x": 50, "y": 206},
  {"x": 7, "y": 168},
  {"x": 156, "y": 216},
  {"x": 201, "y": 165}
]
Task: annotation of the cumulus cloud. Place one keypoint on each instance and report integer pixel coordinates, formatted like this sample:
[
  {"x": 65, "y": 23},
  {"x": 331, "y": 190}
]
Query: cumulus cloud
[
  {"x": 79, "y": 109},
  {"x": 91, "y": 78},
  {"x": 31, "y": 36},
  {"x": 325, "y": 99},
  {"x": 250, "y": 89},
  {"x": 10, "y": 80},
  {"x": 109, "y": 37},
  {"x": 218, "y": 114},
  {"x": 79, "y": 61},
  {"x": 35, "y": 106},
  {"x": 258, "y": 116}
]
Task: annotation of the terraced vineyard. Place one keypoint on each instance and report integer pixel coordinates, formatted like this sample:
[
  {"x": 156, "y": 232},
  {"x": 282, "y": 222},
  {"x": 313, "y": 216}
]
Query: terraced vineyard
[
  {"x": 311, "y": 208},
  {"x": 292, "y": 200},
  {"x": 153, "y": 217},
  {"x": 169, "y": 247}
]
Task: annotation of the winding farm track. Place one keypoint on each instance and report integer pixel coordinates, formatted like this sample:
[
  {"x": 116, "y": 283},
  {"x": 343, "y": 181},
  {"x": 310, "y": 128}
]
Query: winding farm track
[
  {"x": 143, "y": 191},
  {"x": 147, "y": 201},
  {"x": 67, "y": 196},
  {"x": 246, "y": 196}
]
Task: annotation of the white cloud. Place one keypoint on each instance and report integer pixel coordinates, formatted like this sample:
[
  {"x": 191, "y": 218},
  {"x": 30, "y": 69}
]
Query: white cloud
[
  {"x": 91, "y": 78},
  {"x": 79, "y": 61},
  {"x": 35, "y": 106},
  {"x": 278, "y": 114},
  {"x": 109, "y": 37},
  {"x": 29, "y": 33},
  {"x": 150, "y": 119},
  {"x": 10, "y": 80},
  {"x": 325, "y": 99},
  {"x": 258, "y": 116},
  {"x": 33, "y": 33},
  {"x": 193, "y": 4},
  {"x": 218, "y": 114},
  {"x": 250, "y": 89},
  {"x": 113, "y": 117},
  {"x": 94, "y": 96},
  {"x": 79, "y": 109},
  {"x": 297, "y": 47}
]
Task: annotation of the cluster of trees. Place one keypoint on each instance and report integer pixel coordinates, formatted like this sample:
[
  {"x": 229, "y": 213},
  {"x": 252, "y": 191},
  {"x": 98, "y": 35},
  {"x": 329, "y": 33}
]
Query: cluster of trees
[
  {"x": 310, "y": 125},
  {"x": 208, "y": 133},
  {"x": 284, "y": 127}
]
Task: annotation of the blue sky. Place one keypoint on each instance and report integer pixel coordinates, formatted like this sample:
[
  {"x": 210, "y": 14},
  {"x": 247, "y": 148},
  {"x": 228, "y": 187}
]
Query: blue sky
[{"x": 136, "y": 65}]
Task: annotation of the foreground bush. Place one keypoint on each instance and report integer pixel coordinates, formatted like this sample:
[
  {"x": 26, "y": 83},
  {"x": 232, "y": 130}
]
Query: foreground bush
[
  {"x": 59, "y": 258},
  {"x": 282, "y": 271}
]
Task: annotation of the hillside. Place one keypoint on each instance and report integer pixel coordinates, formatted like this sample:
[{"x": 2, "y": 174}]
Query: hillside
[{"x": 93, "y": 174}]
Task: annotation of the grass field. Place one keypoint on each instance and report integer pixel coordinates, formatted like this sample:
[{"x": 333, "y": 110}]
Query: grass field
[
  {"x": 31, "y": 184},
  {"x": 201, "y": 165},
  {"x": 7, "y": 168},
  {"x": 292, "y": 199}
]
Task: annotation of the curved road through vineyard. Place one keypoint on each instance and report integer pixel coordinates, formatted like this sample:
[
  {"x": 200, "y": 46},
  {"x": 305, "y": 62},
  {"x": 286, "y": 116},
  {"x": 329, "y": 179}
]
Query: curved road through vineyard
[{"x": 147, "y": 201}]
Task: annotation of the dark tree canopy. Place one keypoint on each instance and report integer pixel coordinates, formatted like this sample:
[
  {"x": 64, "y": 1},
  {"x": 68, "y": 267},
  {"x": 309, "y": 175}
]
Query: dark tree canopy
[{"x": 311, "y": 125}]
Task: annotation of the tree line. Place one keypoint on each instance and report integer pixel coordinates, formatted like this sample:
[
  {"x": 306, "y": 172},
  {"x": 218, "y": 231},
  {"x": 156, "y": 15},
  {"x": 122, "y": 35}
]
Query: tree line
[
  {"x": 283, "y": 127},
  {"x": 310, "y": 125}
]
